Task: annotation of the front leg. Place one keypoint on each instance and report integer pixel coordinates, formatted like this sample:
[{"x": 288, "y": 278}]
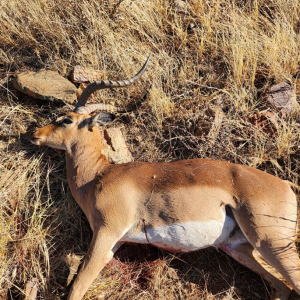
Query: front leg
[{"x": 102, "y": 248}]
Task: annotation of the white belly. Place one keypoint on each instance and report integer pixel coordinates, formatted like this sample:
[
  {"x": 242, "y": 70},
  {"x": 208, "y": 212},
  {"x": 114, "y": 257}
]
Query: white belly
[{"x": 184, "y": 237}]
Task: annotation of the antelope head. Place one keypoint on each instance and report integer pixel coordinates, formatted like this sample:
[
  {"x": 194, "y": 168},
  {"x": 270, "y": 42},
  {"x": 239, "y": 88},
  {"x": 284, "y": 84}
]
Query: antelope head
[{"x": 60, "y": 134}]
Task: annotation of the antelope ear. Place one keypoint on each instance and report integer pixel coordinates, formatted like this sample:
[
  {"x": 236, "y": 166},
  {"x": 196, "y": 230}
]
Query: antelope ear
[
  {"x": 59, "y": 119},
  {"x": 101, "y": 119}
]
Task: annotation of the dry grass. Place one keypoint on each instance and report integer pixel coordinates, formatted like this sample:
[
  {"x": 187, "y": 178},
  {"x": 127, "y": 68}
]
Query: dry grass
[{"x": 232, "y": 52}]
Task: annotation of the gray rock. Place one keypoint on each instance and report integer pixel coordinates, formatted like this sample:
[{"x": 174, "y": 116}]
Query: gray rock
[
  {"x": 46, "y": 85},
  {"x": 81, "y": 74},
  {"x": 282, "y": 97}
]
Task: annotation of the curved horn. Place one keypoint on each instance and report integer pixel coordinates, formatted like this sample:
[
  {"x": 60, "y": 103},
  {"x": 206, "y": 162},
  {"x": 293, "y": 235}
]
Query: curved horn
[
  {"x": 103, "y": 84},
  {"x": 110, "y": 108}
]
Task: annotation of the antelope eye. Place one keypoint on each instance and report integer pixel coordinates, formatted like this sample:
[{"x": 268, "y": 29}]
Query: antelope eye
[{"x": 67, "y": 121}]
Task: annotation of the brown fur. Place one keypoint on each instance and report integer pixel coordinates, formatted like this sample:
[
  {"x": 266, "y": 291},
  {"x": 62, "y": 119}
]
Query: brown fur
[{"x": 147, "y": 195}]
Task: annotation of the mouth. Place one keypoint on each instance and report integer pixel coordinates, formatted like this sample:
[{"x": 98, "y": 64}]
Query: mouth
[{"x": 35, "y": 140}]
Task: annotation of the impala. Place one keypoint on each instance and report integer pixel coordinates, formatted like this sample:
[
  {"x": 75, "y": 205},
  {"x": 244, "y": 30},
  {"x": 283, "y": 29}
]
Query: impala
[{"x": 180, "y": 206}]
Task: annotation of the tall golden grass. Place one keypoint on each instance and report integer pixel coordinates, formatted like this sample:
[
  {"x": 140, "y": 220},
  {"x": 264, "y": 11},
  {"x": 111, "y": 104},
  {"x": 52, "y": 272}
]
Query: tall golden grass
[{"x": 210, "y": 54}]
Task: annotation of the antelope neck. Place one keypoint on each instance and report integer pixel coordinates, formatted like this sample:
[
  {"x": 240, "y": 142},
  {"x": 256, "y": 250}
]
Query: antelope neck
[{"x": 84, "y": 161}]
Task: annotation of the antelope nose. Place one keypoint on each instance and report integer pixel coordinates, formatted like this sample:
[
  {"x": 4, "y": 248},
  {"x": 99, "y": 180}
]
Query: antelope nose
[
  {"x": 34, "y": 132},
  {"x": 34, "y": 138}
]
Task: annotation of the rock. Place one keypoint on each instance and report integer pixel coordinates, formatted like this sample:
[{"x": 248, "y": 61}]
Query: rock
[
  {"x": 265, "y": 120},
  {"x": 46, "y": 85},
  {"x": 30, "y": 290},
  {"x": 282, "y": 97},
  {"x": 81, "y": 74},
  {"x": 114, "y": 146}
]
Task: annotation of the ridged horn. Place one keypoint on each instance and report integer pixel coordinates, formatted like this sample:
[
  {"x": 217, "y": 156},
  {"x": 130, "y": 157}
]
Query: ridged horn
[
  {"x": 103, "y": 84},
  {"x": 110, "y": 108}
]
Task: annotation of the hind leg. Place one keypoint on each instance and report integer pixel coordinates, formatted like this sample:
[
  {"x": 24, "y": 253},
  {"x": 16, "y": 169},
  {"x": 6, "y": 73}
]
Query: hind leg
[
  {"x": 282, "y": 255},
  {"x": 271, "y": 229},
  {"x": 241, "y": 250}
]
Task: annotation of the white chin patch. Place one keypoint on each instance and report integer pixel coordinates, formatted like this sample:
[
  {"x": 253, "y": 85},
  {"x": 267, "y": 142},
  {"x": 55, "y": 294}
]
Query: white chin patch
[
  {"x": 40, "y": 142},
  {"x": 60, "y": 147},
  {"x": 36, "y": 141}
]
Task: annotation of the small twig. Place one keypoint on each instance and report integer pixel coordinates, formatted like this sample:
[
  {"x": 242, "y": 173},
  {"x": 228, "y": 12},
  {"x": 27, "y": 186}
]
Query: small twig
[
  {"x": 3, "y": 234},
  {"x": 8, "y": 115},
  {"x": 8, "y": 91}
]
